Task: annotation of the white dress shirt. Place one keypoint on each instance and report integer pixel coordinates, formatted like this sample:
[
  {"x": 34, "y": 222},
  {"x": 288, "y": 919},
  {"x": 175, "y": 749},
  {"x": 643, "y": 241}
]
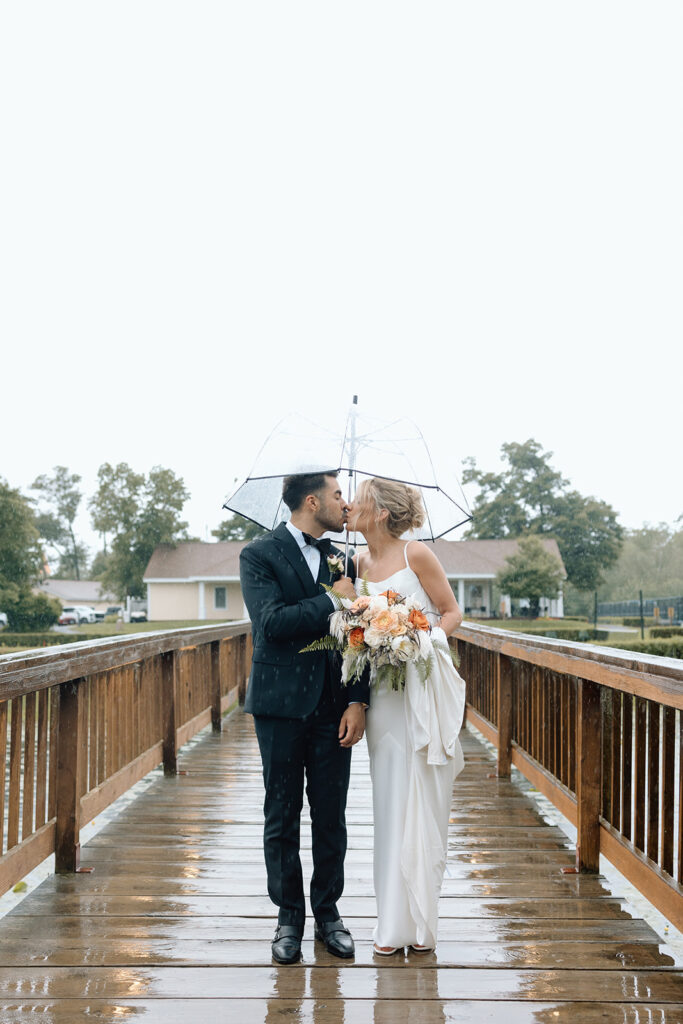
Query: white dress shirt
[{"x": 311, "y": 554}]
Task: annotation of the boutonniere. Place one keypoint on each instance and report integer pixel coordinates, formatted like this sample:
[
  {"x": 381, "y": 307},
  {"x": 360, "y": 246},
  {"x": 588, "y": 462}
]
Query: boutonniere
[{"x": 335, "y": 563}]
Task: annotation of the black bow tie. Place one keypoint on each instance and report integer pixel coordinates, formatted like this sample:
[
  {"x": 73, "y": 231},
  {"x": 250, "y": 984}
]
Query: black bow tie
[{"x": 323, "y": 544}]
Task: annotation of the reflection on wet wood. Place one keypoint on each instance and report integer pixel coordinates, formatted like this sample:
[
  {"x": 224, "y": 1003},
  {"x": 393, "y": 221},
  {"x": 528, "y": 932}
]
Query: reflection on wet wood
[{"x": 175, "y": 923}]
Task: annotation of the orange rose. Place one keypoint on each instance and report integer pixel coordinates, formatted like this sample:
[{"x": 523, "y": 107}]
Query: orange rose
[
  {"x": 391, "y": 596},
  {"x": 357, "y": 637},
  {"x": 384, "y": 622},
  {"x": 418, "y": 619}
]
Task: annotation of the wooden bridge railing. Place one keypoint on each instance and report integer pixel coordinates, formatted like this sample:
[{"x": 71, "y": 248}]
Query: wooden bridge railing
[
  {"x": 81, "y": 724},
  {"x": 597, "y": 731}
]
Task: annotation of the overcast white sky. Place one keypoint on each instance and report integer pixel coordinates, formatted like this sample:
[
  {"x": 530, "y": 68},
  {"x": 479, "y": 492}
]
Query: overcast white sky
[{"x": 213, "y": 214}]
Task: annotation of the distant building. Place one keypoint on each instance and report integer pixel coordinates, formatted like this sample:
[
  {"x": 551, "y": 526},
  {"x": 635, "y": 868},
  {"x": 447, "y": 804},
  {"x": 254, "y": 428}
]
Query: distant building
[
  {"x": 198, "y": 580},
  {"x": 78, "y": 592}
]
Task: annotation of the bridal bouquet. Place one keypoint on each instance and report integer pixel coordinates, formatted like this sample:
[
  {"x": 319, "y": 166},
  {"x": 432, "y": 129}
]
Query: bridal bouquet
[{"x": 384, "y": 632}]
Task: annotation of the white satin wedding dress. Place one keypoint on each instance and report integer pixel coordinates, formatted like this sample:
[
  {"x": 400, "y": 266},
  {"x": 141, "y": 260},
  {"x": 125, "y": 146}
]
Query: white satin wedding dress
[{"x": 415, "y": 755}]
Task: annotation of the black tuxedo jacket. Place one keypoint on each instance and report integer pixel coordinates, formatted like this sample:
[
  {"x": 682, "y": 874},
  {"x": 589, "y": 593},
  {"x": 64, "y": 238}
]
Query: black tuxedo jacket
[{"x": 288, "y": 610}]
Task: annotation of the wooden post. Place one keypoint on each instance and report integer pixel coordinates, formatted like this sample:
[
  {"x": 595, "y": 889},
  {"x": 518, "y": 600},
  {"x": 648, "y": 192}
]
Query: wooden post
[
  {"x": 169, "y": 662},
  {"x": 504, "y": 716},
  {"x": 68, "y": 796},
  {"x": 588, "y": 776},
  {"x": 216, "y": 716}
]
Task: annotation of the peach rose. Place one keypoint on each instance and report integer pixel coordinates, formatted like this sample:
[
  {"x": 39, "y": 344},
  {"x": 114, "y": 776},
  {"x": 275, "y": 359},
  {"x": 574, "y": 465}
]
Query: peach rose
[
  {"x": 357, "y": 637},
  {"x": 418, "y": 619},
  {"x": 384, "y": 622},
  {"x": 391, "y": 596},
  {"x": 359, "y": 605}
]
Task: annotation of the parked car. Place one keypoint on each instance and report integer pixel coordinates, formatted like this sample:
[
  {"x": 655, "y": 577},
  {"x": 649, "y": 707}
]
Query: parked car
[
  {"x": 114, "y": 609},
  {"x": 69, "y": 617},
  {"x": 86, "y": 612},
  {"x": 139, "y": 616}
]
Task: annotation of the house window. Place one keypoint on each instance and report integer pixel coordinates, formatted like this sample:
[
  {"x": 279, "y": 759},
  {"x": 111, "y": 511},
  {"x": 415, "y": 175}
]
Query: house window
[{"x": 220, "y": 597}]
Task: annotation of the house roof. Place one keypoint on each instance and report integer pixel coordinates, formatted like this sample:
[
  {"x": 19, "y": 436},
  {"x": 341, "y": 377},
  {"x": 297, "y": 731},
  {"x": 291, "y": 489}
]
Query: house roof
[
  {"x": 483, "y": 557},
  {"x": 75, "y": 591},
  {"x": 197, "y": 560}
]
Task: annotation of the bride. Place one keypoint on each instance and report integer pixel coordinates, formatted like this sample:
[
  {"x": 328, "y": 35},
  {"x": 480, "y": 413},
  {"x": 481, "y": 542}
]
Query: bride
[{"x": 412, "y": 734}]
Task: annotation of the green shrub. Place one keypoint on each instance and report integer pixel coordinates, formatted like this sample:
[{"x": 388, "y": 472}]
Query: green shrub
[
  {"x": 634, "y": 621},
  {"x": 570, "y": 633},
  {"x": 672, "y": 648},
  {"x": 9, "y": 639},
  {"x": 27, "y": 611},
  {"x": 662, "y": 631}
]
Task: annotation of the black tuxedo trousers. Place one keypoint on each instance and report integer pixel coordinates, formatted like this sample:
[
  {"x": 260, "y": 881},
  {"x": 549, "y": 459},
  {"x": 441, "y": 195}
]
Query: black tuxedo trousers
[{"x": 295, "y": 751}]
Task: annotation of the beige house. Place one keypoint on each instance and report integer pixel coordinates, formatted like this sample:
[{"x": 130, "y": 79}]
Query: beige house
[
  {"x": 195, "y": 580},
  {"x": 198, "y": 580}
]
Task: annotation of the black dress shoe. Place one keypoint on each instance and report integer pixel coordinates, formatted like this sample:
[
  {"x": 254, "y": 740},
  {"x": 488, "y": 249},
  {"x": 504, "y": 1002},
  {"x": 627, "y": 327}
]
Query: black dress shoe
[
  {"x": 286, "y": 945},
  {"x": 336, "y": 937}
]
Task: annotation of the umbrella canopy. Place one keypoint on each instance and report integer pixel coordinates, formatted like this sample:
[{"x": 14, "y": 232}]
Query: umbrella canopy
[{"x": 393, "y": 450}]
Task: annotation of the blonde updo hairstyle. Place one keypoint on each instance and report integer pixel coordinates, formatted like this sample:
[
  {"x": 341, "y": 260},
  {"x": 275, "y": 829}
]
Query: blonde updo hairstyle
[{"x": 402, "y": 502}]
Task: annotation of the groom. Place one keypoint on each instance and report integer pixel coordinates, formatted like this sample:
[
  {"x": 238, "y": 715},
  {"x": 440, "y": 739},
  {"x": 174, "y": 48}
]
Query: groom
[{"x": 306, "y": 722}]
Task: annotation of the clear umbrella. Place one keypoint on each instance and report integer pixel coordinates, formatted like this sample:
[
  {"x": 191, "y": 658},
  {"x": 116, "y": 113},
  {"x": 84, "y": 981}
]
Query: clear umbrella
[{"x": 368, "y": 447}]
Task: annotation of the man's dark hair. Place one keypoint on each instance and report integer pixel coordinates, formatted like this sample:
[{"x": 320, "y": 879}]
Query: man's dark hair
[{"x": 296, "y": 487}]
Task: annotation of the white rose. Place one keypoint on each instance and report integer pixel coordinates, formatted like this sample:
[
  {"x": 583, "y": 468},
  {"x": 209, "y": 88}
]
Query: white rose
[
  {"x": 404, "y": 647},
  {"x": 401, "y": 610},
  {"x": 373, "y": 638},
  {"x": 378, "y": 604}
]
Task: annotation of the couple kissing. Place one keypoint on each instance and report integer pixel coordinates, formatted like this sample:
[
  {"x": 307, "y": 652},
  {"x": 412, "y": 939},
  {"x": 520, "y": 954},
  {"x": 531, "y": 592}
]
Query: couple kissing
[{"x": 307, "y": 720}]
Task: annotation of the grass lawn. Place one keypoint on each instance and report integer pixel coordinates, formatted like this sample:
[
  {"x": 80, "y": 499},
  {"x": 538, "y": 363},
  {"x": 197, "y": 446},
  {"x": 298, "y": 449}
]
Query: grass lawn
[
  {"x": 522, "y": 625},
  {"x": 121, "y": 628}
]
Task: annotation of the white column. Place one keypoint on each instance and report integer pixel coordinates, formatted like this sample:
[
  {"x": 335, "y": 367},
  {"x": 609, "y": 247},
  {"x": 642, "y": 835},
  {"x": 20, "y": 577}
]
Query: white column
[
  {"x": 202, "y": 600},
  {"x": 461, "y": 595},
  {"x": 149, "y": 603}
]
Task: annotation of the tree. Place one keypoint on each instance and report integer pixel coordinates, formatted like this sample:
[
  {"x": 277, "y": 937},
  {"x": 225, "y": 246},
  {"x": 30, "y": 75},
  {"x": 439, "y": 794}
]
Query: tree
[
  {"x": 238, "y": 528},
  {"x": 140, "y": 512},
  {"x": 28, "y": 611},
  {"x": 21, "y": 557},
  {"x": 651, "y": 560},
  {"x": 115, "y": 505},
  {"x": 529, "y": 496},
  {"x": 73, "y": 564},
  {"x": 532, "y": 572},
  {"x": 99, "y": 565},
  {"x": 56, "y": 525}
]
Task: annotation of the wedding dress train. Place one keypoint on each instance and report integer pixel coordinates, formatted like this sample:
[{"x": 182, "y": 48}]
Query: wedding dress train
[{"x": 415, "y": 755}]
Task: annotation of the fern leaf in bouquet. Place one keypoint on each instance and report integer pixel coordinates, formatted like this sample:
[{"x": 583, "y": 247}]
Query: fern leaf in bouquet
[{"x": 325, "y": 643}]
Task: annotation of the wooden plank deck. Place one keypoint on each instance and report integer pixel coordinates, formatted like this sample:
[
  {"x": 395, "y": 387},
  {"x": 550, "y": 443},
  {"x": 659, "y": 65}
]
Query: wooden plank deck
[{"x": 174, "y": 924}]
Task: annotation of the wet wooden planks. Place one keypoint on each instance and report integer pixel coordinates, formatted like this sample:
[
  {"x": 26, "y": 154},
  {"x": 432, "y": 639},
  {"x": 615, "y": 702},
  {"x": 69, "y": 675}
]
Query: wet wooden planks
[{"x": 174, "y": 920}]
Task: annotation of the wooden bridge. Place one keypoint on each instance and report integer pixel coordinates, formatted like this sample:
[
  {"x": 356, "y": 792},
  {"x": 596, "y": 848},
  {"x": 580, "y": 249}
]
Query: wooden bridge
[{"x": 173, "y": 922}]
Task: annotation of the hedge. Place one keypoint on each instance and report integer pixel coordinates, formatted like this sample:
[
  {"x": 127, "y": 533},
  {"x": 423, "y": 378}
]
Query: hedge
[
  {"x": 672, "y": 648},
  {"x": 8, "y": 639},
  {"x": 666, "y": 631},
  {"x": 570, "y": 633}
]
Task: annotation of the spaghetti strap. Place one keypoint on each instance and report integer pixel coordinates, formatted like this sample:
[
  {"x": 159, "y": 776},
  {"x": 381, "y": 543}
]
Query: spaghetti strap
[{"x": 405, "y": 554}]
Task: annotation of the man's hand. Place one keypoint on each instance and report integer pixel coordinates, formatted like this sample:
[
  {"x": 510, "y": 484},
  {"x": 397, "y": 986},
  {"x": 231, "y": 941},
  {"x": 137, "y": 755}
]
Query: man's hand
[
  {"x": 345, "y": 587},
  {"x": 352, "y": 725}
]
